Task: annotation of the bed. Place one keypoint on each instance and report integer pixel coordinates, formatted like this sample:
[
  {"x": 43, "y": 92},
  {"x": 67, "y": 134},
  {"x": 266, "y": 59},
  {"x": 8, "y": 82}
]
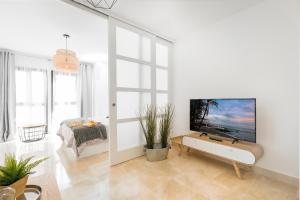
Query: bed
[{"x": 83, "y": 137}]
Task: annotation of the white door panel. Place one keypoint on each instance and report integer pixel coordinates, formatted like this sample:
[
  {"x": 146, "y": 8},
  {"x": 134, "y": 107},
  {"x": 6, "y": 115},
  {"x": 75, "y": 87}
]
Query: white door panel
[{"x": 133, "y": 68}]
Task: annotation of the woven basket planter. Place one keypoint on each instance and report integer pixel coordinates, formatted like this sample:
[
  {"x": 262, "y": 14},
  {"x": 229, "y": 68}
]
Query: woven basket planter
[{"x": 157, "y": 153}]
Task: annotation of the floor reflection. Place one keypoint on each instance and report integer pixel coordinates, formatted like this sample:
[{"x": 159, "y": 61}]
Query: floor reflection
[{"x": 190, "y": 176}]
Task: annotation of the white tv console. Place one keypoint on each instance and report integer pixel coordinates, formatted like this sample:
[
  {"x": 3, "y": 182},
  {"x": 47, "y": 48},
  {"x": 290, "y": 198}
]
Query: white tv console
[{"x": 244, "y": 153}]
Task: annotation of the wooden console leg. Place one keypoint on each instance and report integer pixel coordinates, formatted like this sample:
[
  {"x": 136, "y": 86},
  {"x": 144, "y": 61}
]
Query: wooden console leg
[
  {"x": 188, "y": 149},
  {"x": 237, "y": 169},
  {"x": 180, "y": 149},
  {"x": 249, "y": 167}
]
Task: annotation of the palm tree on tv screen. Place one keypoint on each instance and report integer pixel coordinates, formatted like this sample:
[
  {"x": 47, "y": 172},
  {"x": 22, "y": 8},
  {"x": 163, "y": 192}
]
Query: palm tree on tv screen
[{"x": 205, "y": 111}]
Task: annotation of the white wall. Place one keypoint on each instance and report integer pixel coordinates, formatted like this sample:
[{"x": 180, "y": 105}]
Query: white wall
[{"x": 253, "y": 53}]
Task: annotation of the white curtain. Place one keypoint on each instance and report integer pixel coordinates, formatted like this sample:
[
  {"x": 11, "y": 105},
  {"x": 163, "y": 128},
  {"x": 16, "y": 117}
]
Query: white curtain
[
  {"x": 7, "y": 95},
  {"x": 66, "y": 97},
  {"x": 31, "y": 95},
  {"x": 32, "y": 89},
  {"x": 86, "y": 78},
  {"x": 29, "y": 61},
  {"x": 72, "y": 92}
]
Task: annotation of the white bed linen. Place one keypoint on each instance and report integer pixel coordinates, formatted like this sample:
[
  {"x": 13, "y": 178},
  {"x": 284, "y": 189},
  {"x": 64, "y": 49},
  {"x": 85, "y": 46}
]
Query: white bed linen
[{"x": 67, "y": 136}]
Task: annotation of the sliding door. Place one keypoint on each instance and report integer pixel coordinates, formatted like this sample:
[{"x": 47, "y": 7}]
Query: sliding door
[{"x": 138, "y": 76}]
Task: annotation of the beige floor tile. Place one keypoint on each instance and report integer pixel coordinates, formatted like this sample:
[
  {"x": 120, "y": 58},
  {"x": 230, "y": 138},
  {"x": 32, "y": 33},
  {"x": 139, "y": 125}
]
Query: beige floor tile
[{"x": 189, "y": 176}]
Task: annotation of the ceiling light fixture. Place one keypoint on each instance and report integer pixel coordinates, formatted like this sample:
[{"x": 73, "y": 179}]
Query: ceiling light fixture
[
  {"x": 105, "y": 4},
  {"x": 66, "y": 60}
]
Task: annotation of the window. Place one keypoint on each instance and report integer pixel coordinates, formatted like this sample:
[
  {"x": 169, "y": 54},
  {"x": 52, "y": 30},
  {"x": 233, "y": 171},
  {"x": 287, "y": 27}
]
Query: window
[
  {"x": 65, "y": 98},
  {"x": 31, "y": 96}
]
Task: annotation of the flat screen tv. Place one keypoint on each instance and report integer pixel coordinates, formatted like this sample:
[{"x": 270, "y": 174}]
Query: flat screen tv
[{"x": 232, "y": 118}]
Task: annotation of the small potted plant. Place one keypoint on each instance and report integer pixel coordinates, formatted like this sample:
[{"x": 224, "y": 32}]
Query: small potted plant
[
  {"x": 156, "y": 151},
  {"x": 15, "y": 173}
]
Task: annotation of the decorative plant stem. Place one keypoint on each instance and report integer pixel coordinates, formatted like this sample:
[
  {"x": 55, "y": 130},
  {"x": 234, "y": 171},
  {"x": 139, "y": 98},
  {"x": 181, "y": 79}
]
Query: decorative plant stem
[
  {"x": 149, "y": 127},
  {"x": 165, "y": 125}
]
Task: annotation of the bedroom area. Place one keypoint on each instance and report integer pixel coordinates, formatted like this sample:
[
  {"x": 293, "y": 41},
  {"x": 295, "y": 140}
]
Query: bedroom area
[
  {"x": 76, "y": 84},
  {"x": 57, "y": 84}
]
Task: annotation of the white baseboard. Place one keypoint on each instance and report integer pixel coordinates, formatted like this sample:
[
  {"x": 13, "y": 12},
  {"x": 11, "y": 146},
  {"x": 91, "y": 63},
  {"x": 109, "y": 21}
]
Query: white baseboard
[{"x": 276, "y": 176}]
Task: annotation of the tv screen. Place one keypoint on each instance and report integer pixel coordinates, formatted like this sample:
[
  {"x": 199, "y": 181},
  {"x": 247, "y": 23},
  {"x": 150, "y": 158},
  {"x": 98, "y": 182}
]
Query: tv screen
[{"x": 232, "y": 118}]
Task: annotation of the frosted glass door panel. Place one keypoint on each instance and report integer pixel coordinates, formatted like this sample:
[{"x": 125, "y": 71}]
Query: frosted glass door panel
[
  {"x": 132, "y": 45},
  {"x": 161, "y": 79},
  {"x": 161, "y": 100},
  {"x": 129, "y": 135},
  {"x": 133, "y": 75},
  {"x": 146, "y": 49},
  {"x": 162, "y": 55},
  {"x": 127, "y": 43},
  {"x": 138, "y": 77},
  {"x": 130, "y": 104}
]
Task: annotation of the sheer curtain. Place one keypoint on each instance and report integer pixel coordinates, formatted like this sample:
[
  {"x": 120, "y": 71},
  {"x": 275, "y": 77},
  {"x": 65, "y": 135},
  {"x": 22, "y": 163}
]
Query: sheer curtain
[
  {"x": 86, "y": 79},
  {"x": 72, "y": 95},
  {"x": 7, "y": 94},
  {"x": 66, "y": 97},
  {"x": 47, "y": 96},
  {"x": 32, "y": 89},
  {"x": 31, "y": 96}
]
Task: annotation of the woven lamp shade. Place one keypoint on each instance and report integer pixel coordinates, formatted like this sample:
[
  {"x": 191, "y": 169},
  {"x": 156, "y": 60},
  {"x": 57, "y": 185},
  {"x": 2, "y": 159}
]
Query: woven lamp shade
[{"x": 66, "y": 60}]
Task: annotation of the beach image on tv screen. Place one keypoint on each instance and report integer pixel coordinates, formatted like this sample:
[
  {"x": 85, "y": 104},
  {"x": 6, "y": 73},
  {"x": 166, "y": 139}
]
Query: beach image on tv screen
[{"x": 233, "y": 118}]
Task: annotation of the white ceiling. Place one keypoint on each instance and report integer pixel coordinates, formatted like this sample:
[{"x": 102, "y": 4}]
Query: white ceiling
[
  {"x": 176, "y": 18},
  {"x": 36, "y": 27}
]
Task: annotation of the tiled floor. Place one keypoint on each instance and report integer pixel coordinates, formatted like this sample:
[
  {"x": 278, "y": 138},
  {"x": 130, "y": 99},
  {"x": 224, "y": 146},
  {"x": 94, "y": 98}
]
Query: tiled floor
[{"x": 189, "y": 176}]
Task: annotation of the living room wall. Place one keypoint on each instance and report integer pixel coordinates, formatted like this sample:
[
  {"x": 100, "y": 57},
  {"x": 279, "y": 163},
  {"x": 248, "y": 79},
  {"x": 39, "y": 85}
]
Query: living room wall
[{"x": 253, "y": 53}]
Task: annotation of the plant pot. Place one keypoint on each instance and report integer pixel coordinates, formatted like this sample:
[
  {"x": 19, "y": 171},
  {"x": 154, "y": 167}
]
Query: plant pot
[
  {"x": 157, "y": 153},
  {"x": 19, "y": 185}
]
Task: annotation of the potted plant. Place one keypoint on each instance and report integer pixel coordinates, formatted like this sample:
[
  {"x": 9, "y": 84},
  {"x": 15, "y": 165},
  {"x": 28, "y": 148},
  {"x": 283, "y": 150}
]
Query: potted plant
[
  {"x": 15, "y": 173},
  {"x": 156, "y": 151}
]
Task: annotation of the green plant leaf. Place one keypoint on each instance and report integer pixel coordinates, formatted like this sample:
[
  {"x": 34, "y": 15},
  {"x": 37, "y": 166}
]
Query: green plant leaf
[
  {"x": 165, "y": 124},
  {"x": 149, "y": 126},
  {"x": 13, "y": 170}
]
